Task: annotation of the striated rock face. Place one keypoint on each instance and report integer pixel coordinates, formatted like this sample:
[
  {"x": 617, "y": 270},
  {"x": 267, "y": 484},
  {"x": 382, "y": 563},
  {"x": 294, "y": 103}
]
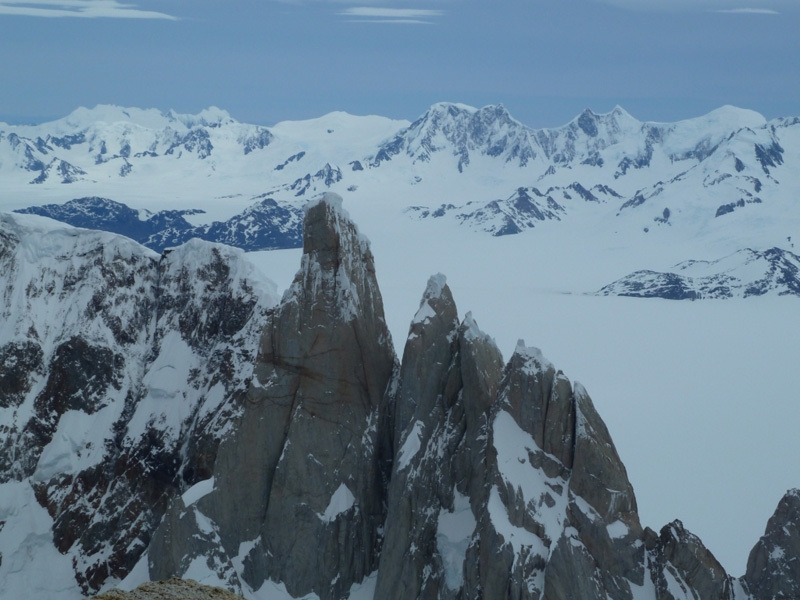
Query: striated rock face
[
  {"x": 546, "y": 518},
  {"x": 448, "y": 378},
  {"x": 165, "y": 416},
  {"x": 301, "y": 481}
]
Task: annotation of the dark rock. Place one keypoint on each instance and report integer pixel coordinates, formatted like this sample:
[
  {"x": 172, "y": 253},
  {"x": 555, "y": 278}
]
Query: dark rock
[
  {"x": 259, "y": 140},
  {"x": 587, "y": 121},
  {"x": 771, "y": 156},
  {"x": 773, "y": 568},
  {"x": 725, "y": 209},
  {"x": 650, "y": 284},
  {"x": 680, "y": 557},
  {"x": 20, "y": 363}
]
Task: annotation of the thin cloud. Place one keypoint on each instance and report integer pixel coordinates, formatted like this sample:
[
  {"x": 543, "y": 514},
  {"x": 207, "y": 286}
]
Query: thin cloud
[
  {"x": 768, "y": 7},
  {"x": 371, "y": 14},
  {"x": 748, "y": 11},
  {"x": 87, "y": 9}
]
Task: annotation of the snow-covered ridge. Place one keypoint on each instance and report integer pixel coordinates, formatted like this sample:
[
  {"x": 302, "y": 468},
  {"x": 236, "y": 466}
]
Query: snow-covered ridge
[
  {"x": 739, "y": 275},
  {"x": 478, "y": 168},
  {"x": 116, "y": 363}
]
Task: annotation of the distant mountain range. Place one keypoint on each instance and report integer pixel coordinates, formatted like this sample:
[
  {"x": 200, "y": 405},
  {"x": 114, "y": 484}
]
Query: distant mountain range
[
  {"x": 265, "y": 225},
  {"x": 142, "y": 173},
  {"x": 742, "y": 274}
]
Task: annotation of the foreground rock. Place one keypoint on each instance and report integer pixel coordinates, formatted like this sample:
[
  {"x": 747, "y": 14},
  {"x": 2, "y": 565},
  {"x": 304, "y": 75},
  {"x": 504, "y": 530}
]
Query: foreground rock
[
  {"x": 173, "y": 589},
  {"x": 119, "y": 373}
]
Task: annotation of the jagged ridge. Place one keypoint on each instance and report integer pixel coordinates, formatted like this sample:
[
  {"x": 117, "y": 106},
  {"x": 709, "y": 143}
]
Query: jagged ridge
[{"x": 323, "y": 460}]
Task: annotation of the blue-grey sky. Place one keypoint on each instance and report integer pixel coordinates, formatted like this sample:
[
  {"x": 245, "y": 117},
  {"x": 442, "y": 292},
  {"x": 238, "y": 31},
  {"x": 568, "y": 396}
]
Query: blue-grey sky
[{"x": 267, "y": 60}]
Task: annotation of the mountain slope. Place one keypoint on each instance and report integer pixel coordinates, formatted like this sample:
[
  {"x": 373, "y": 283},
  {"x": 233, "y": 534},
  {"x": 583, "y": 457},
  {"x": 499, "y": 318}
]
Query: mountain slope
[
  {"x": 534, "y": 282},
  {"x": 265, "y": 225},
  {"x": 119, "y": 374}
]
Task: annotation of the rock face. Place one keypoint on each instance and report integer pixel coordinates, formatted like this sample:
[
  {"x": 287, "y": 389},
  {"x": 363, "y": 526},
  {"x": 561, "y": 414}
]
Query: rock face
[
  {"x": 449, "y": 376},
  {"x": 302, "y": 478},
  {"x": 680, "y": 565},
  {"x": 165, "y": 416},
  {"x": 773, "y": 568}
]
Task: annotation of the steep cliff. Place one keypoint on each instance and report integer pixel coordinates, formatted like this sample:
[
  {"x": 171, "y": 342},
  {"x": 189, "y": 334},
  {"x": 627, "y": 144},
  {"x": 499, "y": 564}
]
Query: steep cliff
[{"x": 299, "y": 485}]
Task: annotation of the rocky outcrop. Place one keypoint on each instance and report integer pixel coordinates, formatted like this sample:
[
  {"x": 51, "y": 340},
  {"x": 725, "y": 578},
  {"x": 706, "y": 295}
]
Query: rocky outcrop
[
  {"x": 740, "y": 275},
  {"x": 173, "y": 589},
  {"x": 546, "y": 518},
  {"x": 680, "y": 565},
  {"x": 448, "y": 378}
]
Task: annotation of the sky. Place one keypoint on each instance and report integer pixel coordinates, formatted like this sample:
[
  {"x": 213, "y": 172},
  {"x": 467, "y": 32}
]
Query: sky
[{"x": 267, "y": 61}]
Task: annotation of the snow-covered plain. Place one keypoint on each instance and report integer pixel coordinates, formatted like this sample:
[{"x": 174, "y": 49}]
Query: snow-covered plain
[{"x": 701, "y": 398}]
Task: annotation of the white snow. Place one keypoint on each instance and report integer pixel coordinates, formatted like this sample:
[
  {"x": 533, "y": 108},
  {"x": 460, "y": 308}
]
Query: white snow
[
  {"x": 30, "y": 560},
  {"x": 410, "y": 446},
  {"x": 197, "y": 491},
  {"x": 547, "y": 495},
  {"x": 163, "y": 406},
  {"x": 75, "y": 446},
  {"x": 139, "y": 574},
  {"x": 453, "y": 533},
  {"x": 277, "y": 591},
  {"x": 199, "y": 571},
  {"x": 777, "y": 554},
  {"x": 518, "y": 537},
  {"x": 364, "y": 590},
  {"x": 617, "y": 529},
  {"x": 341, "y": 501},
  {"x": 424, "y": 314}
]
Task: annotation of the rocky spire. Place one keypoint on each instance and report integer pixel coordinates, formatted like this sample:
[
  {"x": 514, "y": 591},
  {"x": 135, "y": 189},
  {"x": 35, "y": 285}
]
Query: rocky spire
[
  {"x": 773, "y": 568},
  {"x": 300, "y": 480},
  {"x": 447, "y": 382}
]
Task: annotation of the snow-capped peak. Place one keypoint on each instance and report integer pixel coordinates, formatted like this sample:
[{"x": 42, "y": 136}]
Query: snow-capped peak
[
  {"x": 209, "y": 117},
  {"x": 82, "y": 118}
]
